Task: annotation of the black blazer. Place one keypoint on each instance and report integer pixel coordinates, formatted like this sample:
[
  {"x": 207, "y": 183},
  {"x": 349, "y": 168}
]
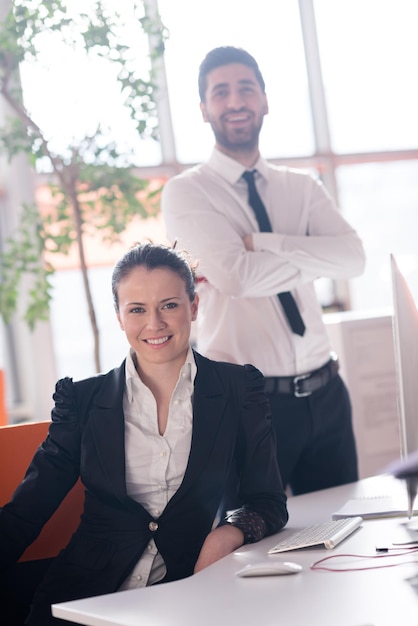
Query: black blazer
[{"x": 231, "y": 427}]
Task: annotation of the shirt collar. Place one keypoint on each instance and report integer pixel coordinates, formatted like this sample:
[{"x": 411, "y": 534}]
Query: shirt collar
[
  {"x": 188, "y": 371},
  {"x": 230, "y": 169}
]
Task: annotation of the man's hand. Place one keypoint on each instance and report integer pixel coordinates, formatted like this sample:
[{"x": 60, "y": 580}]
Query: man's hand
[
  {"x": 219, "y": 543},
  {"x": 248, "y": 243}
]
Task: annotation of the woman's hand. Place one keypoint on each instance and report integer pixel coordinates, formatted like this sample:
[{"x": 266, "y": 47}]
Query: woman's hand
[{"x": 219, "y": 543}]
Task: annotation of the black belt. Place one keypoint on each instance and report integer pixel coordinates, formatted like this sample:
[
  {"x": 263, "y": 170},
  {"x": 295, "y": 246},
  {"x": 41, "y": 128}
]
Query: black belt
[{"x": 304, "y": 384}]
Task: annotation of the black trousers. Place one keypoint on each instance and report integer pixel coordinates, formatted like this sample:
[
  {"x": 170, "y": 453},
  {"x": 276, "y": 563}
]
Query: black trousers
[
  {"x": 316, "y": 448},
  {"x": 17, "y": 588},
  {"x": 315, "y": 442}
]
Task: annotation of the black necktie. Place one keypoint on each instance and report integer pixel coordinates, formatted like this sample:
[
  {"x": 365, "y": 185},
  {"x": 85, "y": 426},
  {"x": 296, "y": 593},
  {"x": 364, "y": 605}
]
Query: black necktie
[{"x": 286, "y": 299}]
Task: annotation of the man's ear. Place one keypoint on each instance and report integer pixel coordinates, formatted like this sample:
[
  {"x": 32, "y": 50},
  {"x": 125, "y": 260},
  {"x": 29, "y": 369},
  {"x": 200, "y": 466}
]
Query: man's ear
[
  {"x": 266, "y": 105},
  {"x": 203, "y": 110}
]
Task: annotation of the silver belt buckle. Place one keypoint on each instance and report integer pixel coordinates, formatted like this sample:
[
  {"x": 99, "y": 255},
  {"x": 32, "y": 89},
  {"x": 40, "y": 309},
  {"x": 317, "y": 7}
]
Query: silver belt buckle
[{"x": 296, "y": 381}]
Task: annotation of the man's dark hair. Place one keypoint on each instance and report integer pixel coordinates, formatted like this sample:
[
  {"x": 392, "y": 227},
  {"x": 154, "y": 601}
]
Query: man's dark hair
[{"x": 225, "y": 55}]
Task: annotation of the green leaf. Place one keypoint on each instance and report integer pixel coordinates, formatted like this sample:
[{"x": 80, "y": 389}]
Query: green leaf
[{"x": 93, "y": 182}]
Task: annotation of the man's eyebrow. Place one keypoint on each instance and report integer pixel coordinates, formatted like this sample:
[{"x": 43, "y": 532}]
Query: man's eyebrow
[
  {"x": 242, "y": 81},
  {"x": 247, "y": 81},
  {"x": 219, "y": 86}
]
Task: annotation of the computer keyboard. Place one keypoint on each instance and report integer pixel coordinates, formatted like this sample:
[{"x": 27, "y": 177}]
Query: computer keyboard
[{"x": 328, "y": 534}]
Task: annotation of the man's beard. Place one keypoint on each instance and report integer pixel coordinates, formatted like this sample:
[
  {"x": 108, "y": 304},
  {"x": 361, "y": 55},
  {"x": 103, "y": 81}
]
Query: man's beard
[{"x": 233, "y": 142}]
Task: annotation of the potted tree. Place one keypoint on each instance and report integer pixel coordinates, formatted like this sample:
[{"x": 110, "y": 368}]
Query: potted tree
[{"x": 92, "y": 177}]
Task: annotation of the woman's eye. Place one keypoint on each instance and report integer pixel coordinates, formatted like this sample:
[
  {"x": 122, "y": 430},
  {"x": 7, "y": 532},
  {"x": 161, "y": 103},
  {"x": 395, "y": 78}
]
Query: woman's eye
[{"x": 170, "y": 305}]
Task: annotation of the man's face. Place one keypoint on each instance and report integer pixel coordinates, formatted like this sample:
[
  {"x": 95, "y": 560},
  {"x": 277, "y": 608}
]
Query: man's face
[{"x": 234, "y": 106}]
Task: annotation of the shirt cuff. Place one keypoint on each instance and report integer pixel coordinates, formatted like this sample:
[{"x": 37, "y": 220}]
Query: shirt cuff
[{"x": 252, "y": 525}]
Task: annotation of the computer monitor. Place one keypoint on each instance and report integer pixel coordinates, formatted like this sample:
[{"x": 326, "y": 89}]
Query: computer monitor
[{"x": 405, "y": 335}]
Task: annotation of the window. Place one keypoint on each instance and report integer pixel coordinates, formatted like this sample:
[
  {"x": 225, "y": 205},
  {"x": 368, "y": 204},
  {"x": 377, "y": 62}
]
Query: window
[
  {"x": 340, "y": 78},
  {"x": 368, "y": 54},
  {"x": 381, "y": 200}
]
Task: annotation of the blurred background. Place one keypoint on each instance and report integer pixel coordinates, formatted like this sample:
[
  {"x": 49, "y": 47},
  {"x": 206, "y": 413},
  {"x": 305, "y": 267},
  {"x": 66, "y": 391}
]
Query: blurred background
[{"x": 341, "y": 82}]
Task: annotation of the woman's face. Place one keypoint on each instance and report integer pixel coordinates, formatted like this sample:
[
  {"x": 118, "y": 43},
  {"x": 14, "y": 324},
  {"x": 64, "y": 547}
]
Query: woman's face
[{"x": 156, "y": 313}]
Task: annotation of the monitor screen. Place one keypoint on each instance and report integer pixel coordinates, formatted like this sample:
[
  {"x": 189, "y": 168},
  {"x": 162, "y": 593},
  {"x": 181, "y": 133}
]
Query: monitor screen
[{"x": 405, "y": 335}]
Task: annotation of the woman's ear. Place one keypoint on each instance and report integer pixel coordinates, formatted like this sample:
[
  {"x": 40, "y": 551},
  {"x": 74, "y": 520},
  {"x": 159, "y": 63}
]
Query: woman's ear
[
  {"x": 195, "y": 307},
  {"x": 120, "y": 321}
]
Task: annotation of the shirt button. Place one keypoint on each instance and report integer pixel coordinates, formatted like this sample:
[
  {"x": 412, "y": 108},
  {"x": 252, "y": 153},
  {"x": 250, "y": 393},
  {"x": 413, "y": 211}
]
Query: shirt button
[
  {"x": 153, "y": 526},
  {"x": 139, "y": 577}
]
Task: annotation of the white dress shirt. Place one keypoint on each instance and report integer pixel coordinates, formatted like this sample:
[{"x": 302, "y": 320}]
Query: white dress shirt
[
  {"x": 155, "y": 464},
  {"x": 240, "y": 318}
]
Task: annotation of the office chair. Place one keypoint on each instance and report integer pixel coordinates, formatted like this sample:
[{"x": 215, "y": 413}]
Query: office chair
[{"x": 18, "y": 444}]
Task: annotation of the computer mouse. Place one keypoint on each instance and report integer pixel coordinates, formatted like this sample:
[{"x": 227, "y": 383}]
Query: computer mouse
[{"x": 269, "y": 568}]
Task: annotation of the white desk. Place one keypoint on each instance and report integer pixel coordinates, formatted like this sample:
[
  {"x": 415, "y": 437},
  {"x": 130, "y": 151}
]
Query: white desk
[{"x": 216, "y": 596}]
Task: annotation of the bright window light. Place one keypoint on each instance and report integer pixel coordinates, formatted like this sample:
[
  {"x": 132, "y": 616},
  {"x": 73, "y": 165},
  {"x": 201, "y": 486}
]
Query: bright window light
[{"x": 272, "y": 34}]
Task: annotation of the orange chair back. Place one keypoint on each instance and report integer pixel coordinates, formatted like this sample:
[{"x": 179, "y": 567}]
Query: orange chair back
[
  {"x": 3, "y": 410},
  {"x": 18, "y": 444}
]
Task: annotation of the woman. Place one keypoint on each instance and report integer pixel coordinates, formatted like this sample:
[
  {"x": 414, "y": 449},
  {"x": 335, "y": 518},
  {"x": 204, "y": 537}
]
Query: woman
[{"x": 153, "y": 441}]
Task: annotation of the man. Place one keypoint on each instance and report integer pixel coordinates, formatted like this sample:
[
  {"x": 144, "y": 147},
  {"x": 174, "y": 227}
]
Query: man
[{"x": 210, "y": 210}]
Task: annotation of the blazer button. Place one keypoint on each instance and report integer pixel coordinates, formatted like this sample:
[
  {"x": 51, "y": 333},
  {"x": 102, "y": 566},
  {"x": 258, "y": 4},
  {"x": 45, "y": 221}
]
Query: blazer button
[{"x": 153, "y": 526}]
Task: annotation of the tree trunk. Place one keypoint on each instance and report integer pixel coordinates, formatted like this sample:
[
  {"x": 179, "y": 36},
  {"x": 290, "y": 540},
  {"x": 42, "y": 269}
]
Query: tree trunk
[{"x": 78, "y": 222}]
